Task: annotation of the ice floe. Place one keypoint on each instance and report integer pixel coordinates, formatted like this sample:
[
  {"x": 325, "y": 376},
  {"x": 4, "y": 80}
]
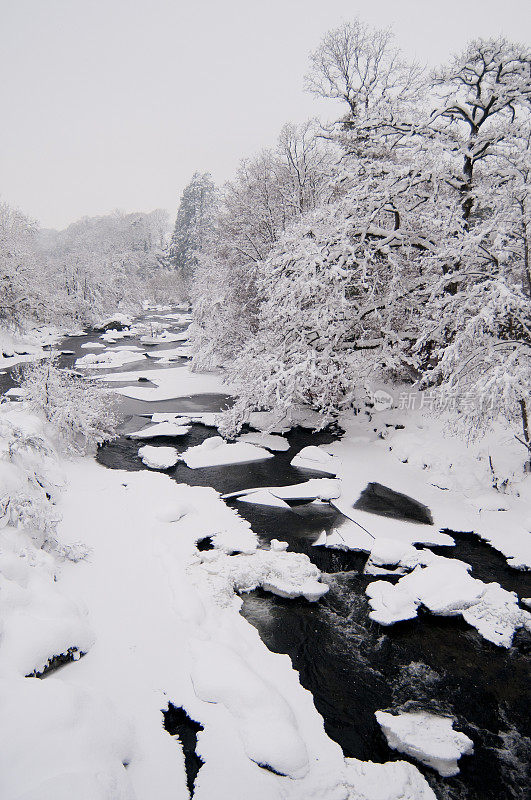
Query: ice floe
[
  {"x": 158, "y": 457},
  {"x": 270, "y": 441},
  {"x": 428, "y": 738},
  {"x": 315, "y": 489}
]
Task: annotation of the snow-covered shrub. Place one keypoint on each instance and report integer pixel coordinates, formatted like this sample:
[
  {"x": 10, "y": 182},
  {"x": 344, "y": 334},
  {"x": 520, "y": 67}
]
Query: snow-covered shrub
[{"x": 82, "y": 413}]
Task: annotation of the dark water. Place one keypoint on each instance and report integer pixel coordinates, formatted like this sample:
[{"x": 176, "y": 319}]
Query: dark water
[
  {"x": 178, "y": 723},
  {"x": 352, "y": 665}
]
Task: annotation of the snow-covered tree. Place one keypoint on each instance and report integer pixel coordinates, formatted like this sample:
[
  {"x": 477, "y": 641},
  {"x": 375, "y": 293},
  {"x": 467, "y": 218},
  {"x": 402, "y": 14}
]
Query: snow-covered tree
[
  {"x": 192, "y": 226},
  {"x": 20, "y": 278},
  {"x": 267, "y": 193},
  {"x": 81, "y": 413}
]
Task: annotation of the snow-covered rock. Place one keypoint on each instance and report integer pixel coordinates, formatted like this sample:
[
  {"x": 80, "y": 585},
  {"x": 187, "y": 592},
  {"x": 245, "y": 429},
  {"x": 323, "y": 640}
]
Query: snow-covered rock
[
  {"x": 107, "y": 359},
  {"x": 160, "y": 429},
  {"x": 497, "y": 615},
  {"x": 387, "y": 553},
  {"x": 216, "y": 452},
  {"x": 282, "y": 573},
  {"x": 158, "y": 457},
  {"x": 443, "y": 586},
  {"x": 317, "y": 460},
  {"x": 426, "y": 737},
  {"x": 92, "y": 346}
]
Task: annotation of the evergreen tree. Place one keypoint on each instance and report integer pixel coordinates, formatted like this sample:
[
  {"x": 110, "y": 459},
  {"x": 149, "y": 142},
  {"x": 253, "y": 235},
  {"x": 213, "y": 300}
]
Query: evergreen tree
[{"x": 192, "y": 225}]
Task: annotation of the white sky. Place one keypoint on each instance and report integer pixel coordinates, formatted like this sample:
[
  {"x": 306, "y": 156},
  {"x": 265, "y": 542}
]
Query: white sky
[{"x": 115, "y": 103}]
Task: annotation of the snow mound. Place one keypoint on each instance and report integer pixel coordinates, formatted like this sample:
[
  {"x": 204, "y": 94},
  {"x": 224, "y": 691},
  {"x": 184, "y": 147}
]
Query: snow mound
[
  {"x": 426, "y": 737},
  {"x": 215, "y": 452},
  {"x": 158, "y": 457},
  {"x": 37, "y": 621},
  {"x": 264, "y": 719},
  {"x": 160, "y": 429},
  {"x": 74, "y": 744},
  {"x": 313, "y": 458},
  {"x": 92, "y": 346},
  {"x": 394, "y": 780}
]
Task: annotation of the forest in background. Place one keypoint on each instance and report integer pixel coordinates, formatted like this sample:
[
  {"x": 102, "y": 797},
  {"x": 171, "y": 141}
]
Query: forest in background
[{"x": 392, "y": 245}]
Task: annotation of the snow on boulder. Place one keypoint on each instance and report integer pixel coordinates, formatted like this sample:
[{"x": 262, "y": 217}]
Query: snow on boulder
[
  {"x": 215, "y": 451},
  {"x": 73, "y": 744},
  {"x": 444, "y": 587},
  {"x": 270, "y": 441},
  {"x": 317, "y": 460},
  {"x": 160, "y": 429},
  {"x": 394, "y": 780},
  {"x": 92, "y": 346},
  {"x": 389, "y": 605},
  {"x": 263, "y": 717},
  {"x": 285, "y": 574},
  {"x": 391, "y": 556},
  {"x": 428, "y": 738},
  {"x": 158, "y": 457},
  {"x": 279, "y": 546},
  {"x": 497, "y": 615}
]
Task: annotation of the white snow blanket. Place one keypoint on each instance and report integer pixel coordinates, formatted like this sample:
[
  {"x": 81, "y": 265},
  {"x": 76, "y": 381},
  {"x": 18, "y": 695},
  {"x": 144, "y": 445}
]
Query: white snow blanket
[
  {"x": 75, "y": 743},
  {"x": 158, "y": 457},
  {"x": 428, "y": 738},
  {"x": 215, "y": 452}
]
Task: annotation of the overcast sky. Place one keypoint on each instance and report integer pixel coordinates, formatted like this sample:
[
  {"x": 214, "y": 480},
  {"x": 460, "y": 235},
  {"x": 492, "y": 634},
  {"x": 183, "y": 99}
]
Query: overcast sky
[{"x": 110, "y": 104}]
